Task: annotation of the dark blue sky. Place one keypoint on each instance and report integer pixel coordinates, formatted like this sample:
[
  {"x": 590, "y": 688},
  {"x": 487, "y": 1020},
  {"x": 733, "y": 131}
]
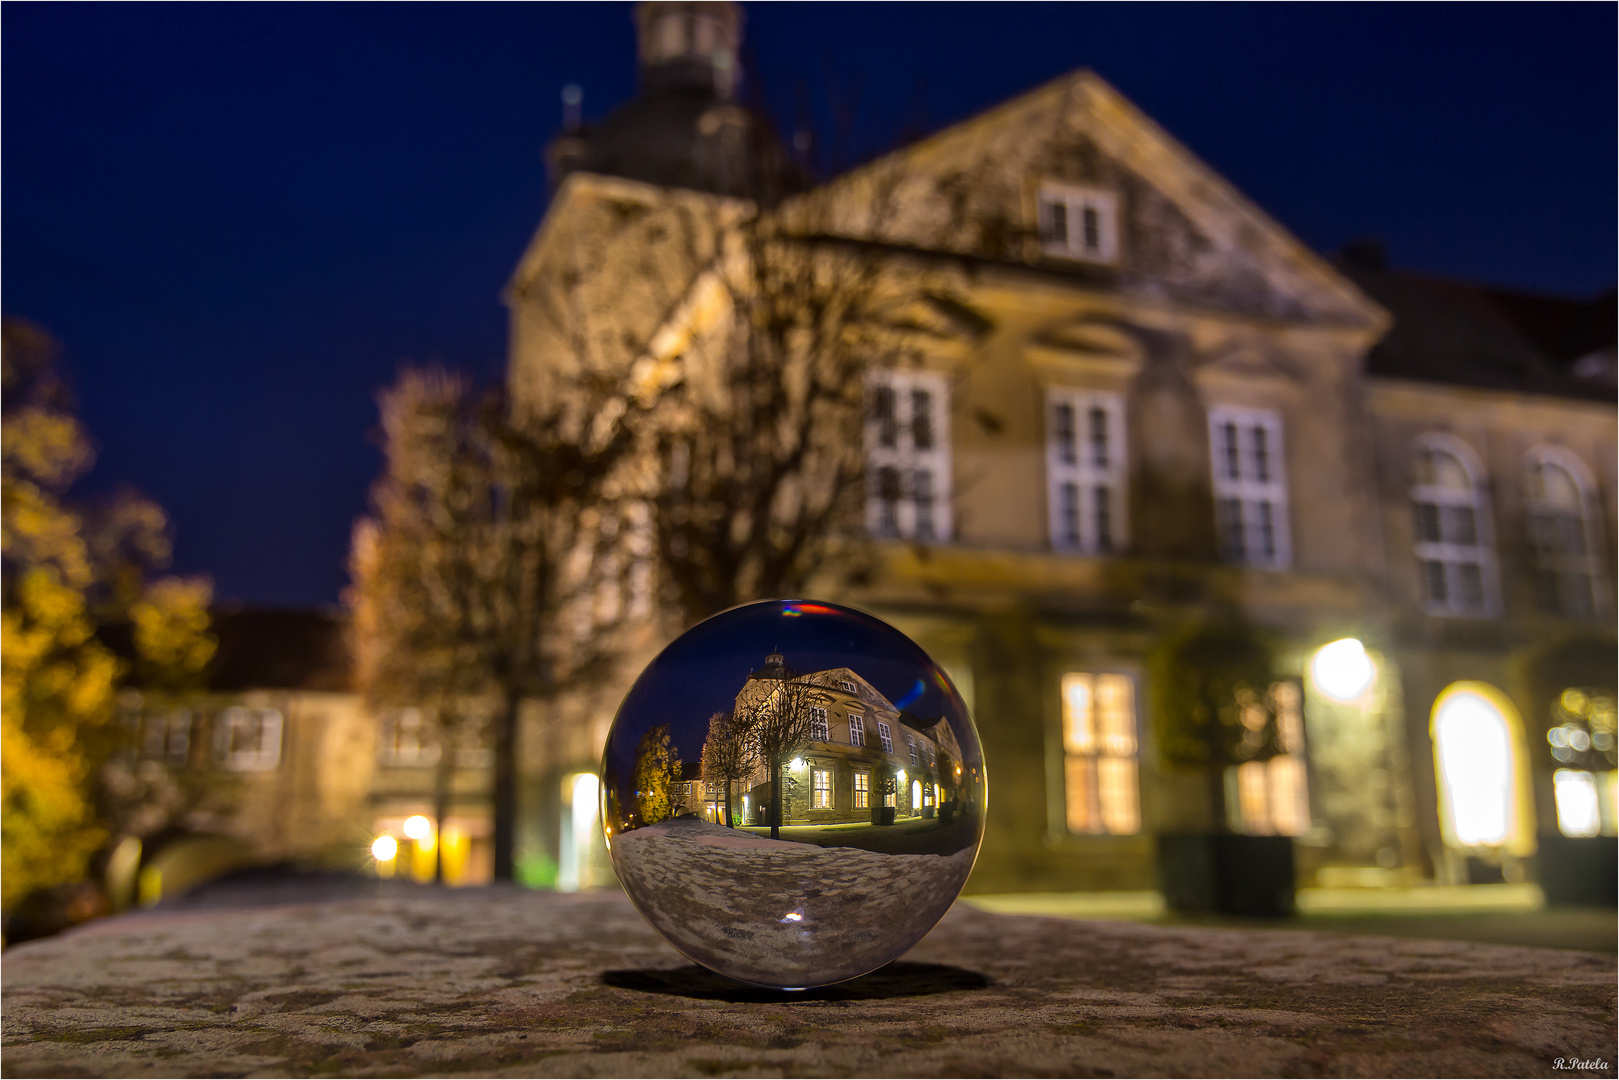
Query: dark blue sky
[{"x": 240, "y": 219}]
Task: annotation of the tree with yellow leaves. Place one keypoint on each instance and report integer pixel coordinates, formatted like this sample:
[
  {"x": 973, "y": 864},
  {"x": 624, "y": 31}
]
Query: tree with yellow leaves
[{"x": 67, "y": 570}]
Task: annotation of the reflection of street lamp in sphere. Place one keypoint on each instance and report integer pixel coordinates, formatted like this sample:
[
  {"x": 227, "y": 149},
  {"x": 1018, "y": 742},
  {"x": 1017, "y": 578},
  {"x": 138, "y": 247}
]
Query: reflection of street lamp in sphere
[
  {"x": 1342, "y": 670},
  {"x": 417, "y": 827},
  {"x": 384, "y": 848}
]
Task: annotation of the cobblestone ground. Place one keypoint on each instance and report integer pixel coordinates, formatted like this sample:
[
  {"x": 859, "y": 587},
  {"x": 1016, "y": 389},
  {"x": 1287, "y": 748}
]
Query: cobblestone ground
[
  {"x": 504, "y": 983},
  {"x": 780, "y": 913}
]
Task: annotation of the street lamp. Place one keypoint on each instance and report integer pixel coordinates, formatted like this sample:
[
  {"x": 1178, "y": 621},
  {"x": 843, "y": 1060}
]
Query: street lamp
[{"x": 1342, "y": 670}]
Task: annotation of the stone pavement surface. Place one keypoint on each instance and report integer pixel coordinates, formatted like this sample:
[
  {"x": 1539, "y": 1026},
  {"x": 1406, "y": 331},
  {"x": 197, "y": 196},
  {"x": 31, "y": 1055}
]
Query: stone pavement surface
[{"x": 509, "y": 983}]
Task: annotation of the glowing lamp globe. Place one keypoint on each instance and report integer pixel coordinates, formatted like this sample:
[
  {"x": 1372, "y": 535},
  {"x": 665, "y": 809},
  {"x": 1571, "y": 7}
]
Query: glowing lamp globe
[
  {"x": 1342, "y": 670},
  {"x": 793, "y": 793}
]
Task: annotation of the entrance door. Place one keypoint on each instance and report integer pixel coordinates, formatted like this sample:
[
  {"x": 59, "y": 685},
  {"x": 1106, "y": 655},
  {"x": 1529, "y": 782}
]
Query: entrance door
[
  {"x": 916, "y": 796},
  {"x": 1476, "y": 762}
]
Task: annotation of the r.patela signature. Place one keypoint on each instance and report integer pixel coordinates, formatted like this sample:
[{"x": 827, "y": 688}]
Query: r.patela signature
[{"x": 1579, "y": 1063}]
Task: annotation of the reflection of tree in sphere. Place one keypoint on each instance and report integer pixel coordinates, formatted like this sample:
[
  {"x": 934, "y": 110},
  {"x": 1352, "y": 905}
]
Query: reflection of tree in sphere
[{"x": 793, "y": 793}]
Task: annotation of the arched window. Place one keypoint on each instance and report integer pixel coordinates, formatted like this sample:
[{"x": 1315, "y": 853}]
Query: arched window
[
  {"x": 1476, "y": 759},
  {"x": 1561, "y": 533},
  {"x": 1454, "y": 542}
]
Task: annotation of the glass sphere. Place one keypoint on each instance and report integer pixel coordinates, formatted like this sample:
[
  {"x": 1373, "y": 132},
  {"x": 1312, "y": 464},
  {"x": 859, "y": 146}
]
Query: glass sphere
[{"x": 793, "y": 793}]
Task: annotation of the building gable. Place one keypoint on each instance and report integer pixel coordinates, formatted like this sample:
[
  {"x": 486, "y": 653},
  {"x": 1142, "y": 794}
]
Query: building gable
[{"x": 1181, "y": 234}]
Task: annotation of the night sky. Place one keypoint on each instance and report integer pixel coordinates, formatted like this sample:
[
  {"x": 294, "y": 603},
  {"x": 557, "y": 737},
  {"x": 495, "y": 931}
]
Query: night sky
[{"x": 241, "y": 219}]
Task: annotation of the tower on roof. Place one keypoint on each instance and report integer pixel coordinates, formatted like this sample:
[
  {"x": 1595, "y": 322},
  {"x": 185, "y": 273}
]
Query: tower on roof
[
  {"x": 689, "y": 46},
  {"x": 684, "y": 128}
]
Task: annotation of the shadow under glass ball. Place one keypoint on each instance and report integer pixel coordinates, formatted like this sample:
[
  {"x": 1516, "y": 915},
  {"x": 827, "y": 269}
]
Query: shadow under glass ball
[{"x": 793, "y": 793}]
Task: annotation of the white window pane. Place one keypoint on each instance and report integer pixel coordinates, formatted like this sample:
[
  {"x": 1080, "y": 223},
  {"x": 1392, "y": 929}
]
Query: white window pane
[
  {"x": 1079, "y": 725},
  {"x": 1120, "y": 801},
  {"x": 1578, "y": 811}
]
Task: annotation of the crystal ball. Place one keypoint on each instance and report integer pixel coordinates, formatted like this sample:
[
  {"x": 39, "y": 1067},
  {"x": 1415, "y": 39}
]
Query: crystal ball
[{"x": 793, "y": 793}]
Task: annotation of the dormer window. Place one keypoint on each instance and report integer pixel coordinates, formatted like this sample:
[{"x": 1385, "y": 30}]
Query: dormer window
[{"x": 1079, "y": 222}]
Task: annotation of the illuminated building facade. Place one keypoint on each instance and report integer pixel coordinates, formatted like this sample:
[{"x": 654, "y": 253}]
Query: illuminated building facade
[
  {"x": 863, "y": 755},
  {"x": 1140, "y": 400}
]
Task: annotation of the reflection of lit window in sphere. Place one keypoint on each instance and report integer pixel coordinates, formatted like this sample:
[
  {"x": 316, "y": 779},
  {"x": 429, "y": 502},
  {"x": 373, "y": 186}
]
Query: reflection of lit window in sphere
[
  {"x": 798, "y": 757},
  {"x": 384, "y": 848},
  {"x": 417, "y": 827},
  {"x": 1342, "y": 670}
]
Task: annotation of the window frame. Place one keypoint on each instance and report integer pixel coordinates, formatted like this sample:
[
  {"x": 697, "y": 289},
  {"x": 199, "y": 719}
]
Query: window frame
[
  {"x": 820, "y": 724},
  {"x": 1076, "y": 199},
  {"x": 1562, "y": 564},
  {"x": 1446, "y": 553},
  {"x": 885, "y": 737},
  {"x": 388, "y": 730},
  {"x": 1069, "y": 760},
  {"x": 857, "y": 729},
  {"x": 1084, "y": 476},
  {"x": 237, "y": 717},
  {"x": 862, "y": 790},
  {"x": 1247, "y": 490},
  {"x": 895, "y": 465},
  {"x": 817, "y": 801}
]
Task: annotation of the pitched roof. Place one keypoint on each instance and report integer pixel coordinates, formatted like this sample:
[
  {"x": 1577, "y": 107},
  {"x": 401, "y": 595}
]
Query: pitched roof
[
  {"x": 280, "y": 649},
  {"x": 1465, "y": 334}
]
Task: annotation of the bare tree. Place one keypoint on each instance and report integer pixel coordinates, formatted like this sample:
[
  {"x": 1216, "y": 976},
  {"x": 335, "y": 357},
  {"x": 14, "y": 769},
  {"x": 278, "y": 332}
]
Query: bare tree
[
  {"x": 729, "y": 753},
  {"x": 763, "y": 462},
  {"x": 484, "y": 536},
  {"x": 780, "y": 720}
]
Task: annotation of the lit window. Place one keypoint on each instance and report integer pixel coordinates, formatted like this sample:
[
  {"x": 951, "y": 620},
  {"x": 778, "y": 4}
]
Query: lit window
[
  {"x": 908, "y": 456},
  {"x": 248, "y": 740},
  {"x": 1476, "y": 765},
  {"x": 1452, "y": 530},
  {"x": 818, "y": 732},
  {"x": 1250, "y": 487},
  {"x": 857, "y": 730},
  {"x": 1578, "y": 806},
  {"x": 862, "y": 791},
  {"x": 1085, "y": 471},
  {"x": 403, "y": 739},
  {"x": 1561, "y": 533},
  {"x": 1099, "y": 753},
  {"x": 822, "y": 789},
  {"x": 1079, "y": 222},
  {"x": 884, "y": 737},
  {"x": 1272, "y": 797}
]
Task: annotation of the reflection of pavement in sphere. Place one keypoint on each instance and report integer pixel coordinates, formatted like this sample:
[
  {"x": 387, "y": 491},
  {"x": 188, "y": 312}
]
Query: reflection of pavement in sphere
[{"x": 779, "y": 913}]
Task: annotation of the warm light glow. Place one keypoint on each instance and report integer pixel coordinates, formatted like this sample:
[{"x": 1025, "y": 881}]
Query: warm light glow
[
  {"x": 1342, "y": 671},
  {"x": 384, "y": 848},
  {"x": 1474, "y": 750},
  {"x": 902, "y": 776},
  {"x": 792, "y": 916},
  {"x": 584, "y": 796},
  {"x": 417, "y": 827},
  {"x": 798, "y": 763},
  {"x": 1578, "y": 813}
]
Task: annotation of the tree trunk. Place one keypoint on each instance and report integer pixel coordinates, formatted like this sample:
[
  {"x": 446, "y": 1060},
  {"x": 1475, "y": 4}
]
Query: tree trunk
[
  {"x": 443, "y": 770},
  {"x": 728, "y": 819},
  {"x": 775, "y": 800},
  {"x": 505, "y": 785}
]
